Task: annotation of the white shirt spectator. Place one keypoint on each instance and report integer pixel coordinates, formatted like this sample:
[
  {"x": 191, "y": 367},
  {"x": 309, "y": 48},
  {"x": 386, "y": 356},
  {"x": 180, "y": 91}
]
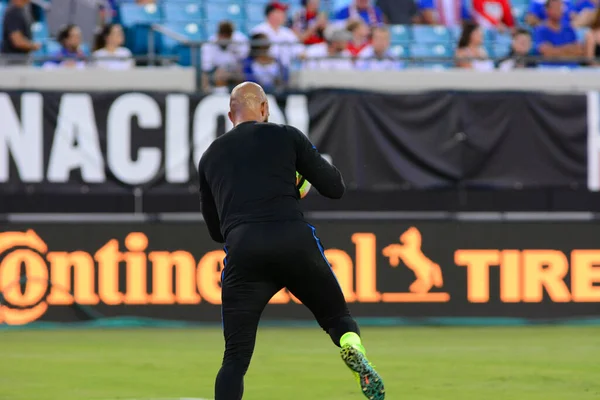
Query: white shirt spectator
[
  {"x": 368, "y": 60},
  {"x": 120, "y": 59},
  {"x": 284, "y": 43},
  {"x": 317, "y": 57},
  {"x": 214, "y": 56}
]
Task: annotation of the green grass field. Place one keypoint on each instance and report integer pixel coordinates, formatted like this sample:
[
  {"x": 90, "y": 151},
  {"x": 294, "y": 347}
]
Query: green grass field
[{"x": 539, "y": 363}]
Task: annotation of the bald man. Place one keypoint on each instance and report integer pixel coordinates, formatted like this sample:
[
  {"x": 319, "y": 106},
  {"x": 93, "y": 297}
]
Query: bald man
[{"x": 250, "y": 202}]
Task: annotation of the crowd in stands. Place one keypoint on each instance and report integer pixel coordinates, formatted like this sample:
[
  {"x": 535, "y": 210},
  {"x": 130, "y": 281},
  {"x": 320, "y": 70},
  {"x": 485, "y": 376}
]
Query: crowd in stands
[{"x": 345, "y": 35}]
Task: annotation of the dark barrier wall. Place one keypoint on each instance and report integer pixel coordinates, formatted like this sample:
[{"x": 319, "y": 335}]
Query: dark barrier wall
[
  {"x": 58, "y": 148},
  {"x": 386, "y": 269}
]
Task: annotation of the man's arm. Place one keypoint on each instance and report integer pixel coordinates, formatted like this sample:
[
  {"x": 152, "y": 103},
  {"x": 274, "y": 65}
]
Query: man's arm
[
  {"x": 567, "y": 50},
  {"x": 322, "y": 175},
  {"x": 209, "y": 208},
  {"x": 15, "y": 27}
]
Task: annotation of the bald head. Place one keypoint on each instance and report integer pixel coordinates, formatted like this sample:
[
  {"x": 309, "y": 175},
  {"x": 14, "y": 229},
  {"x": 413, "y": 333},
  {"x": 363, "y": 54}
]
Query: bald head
[{"x": 248, "y": 103}]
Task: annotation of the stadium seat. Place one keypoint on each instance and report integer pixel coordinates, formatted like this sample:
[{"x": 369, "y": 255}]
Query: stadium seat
[
  {"x": 455, "y": 32},
  {"x": 220, "y": 12},
  {"x": 504, "y": 38},
  {"x": 192, "y": 31},
  {"x": 255, "y": 11},
  {"x": 400, "y": 34},
  {"x": 500, "y": 50},
  {"x": 39, "y": 31},
  {"x": 430, "y": 34},
  {"x": 519, "y": 12},
  {"x": 489, "y": 35},
  {"x": 137, "y": 20},
  {"x": 2, "y": 6},
  {"x": 182, "y": 11},
  {"x": 133, "y": 15},
  {"x": 400, "y": 51},
  {"x": 431, "y": 51},
  {"x": 51, "y": 47}
]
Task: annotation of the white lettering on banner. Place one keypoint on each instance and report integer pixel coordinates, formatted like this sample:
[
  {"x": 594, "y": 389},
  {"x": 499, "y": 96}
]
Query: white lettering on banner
[
  {"x": 76, "y": 141},
  {"x": 205, "y": 122},
  {"x": 177, "y": 146},
  {"x": 75, "y": 144},
  {"x": 24, "y": 141},
  {"x": 118, "y": 140},
  {"x": 296, "y": 110}
]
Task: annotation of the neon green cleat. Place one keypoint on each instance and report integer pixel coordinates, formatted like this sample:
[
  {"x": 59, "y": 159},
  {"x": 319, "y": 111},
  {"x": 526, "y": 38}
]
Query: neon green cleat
[{"x": 353, "y": 354}]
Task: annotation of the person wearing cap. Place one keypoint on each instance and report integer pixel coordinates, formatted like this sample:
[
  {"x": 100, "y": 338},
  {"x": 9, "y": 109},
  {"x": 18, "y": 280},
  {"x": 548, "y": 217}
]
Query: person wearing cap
[
  {"x": 331, "y": 55},
  {"x": 371, "y": 14},
  {"x": 222, "y": 57},
  {"x": 285, "y": 44}
]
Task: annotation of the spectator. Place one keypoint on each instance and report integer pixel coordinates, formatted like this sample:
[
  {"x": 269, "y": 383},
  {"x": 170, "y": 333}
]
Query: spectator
[
  {"x": 332, "y": 55},
  {"x": 261, "y": 67},
  {"x": 444, "y": 12},
  {"x": 372, "y": 15},
  {"x": 520, "y": 49},
  {"x": 309, "y": 24},
  {"x": 378, "y": 56},
  {"x": 399, "y": 12},
  {"x": 284, "y": 43},
  {"x": 16, "y": 31},
  {"x": 592, "y": 41},
  {"x": 493, "y": 14},
  {"x": 109, "y": 52},
  {"x": 555, "y": 38},
  {"x": 360, "y": 36},
  {"x": 577, "y": 13},
  {"x": 222, "y": 57},
  {"x": 70, "y": 55},
  {"x": 470, "y": 53}
]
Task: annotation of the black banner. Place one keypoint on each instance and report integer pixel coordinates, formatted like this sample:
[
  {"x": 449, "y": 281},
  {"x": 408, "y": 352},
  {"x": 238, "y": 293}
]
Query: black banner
[
  {"x": 70, "y": 272},
  {"x": 93, "y": 152}
]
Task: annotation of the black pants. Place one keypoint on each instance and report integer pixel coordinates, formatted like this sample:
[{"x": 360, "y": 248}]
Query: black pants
[{"x": 261, "y": 260}]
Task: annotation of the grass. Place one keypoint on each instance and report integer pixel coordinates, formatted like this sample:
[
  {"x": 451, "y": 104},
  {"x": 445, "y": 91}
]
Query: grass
[{"x": 537, "y": 363}]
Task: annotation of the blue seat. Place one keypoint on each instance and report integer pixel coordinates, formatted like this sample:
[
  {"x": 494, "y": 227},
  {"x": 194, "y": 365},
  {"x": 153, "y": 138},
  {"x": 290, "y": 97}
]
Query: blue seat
[
  {"x": 220, "y": 12},
  {"x": 523, "y": 3},
  {"x": 504, "y": 38},
  {"x": 2, "y": 6},
  {"x": 255, "y": 11},
  {"x": 182, "y": 11},
  {"x": 455, "y": 32},
  {"x": 51, "y": 47},
  {"x": 499, "y": 50},
  {"x": 400, "y": 34},
  {"x": 133, "y": 15},
  {"x": 519, "y": 13},
  {"x": 489, "y": 35},
  {"x": 438, "y": 51},
  {"x": 39, "y": 31},
  {"x": 137, "y": 20},
  {"x": 192, "y": 31},
  {"x": 431, "y": 34},
  {"x": 401, "y": 51}
]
